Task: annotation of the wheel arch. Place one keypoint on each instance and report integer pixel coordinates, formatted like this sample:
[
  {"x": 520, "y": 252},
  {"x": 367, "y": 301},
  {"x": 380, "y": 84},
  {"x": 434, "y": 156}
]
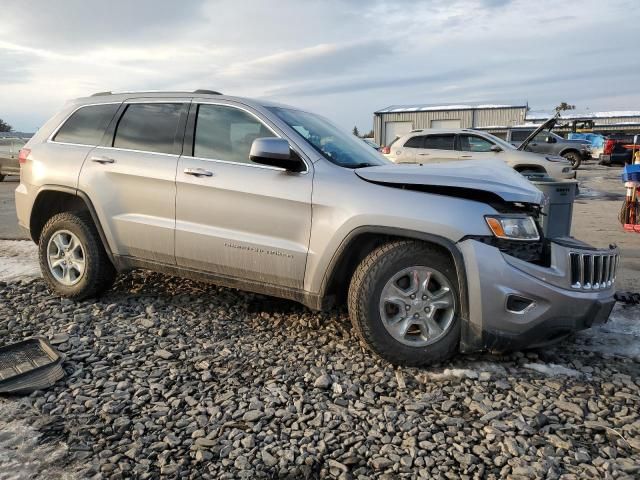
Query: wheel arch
[
  {"x": 54, "y": 199},
  {"x": 362, "y": 240},
  {"x": 570, "y": 150}
]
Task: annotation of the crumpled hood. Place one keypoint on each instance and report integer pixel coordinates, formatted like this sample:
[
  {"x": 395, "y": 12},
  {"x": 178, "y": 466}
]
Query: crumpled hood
[{"x": 486, "y": 175}]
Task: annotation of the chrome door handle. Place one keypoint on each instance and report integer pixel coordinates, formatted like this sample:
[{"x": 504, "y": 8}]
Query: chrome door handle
[
  {"x": 102, "y": 160},
  {"x": 424, "y": 154},
  {"x": 466, "y": 156},
  {"x": 198, "y": 172}
]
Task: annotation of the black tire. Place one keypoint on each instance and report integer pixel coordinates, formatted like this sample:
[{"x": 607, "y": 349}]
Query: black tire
[
  {"x": 1, "y": 177},
  {"x": 366, "y": 288},
  {"x": 99, "y": 273},
  {"x": 575, "y": 158}
]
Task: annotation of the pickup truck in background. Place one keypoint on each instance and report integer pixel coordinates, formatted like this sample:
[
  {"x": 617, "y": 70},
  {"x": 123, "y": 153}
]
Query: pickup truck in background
[
  {"x": 9, "y": 148},
  {"x": 543, "y": 140},
  {"x": 618, "y": 149}
]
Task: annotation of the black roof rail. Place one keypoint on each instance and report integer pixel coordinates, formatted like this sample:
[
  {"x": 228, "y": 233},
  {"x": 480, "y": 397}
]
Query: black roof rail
[
  {"x": 99, "y": 94},
  {"x": 209, "y": 92}
]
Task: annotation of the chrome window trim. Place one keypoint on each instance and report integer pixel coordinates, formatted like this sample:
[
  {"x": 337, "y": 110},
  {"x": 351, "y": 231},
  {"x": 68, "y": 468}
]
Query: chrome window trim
[
  {"x": 255, "y": 165},
  {"x": 60, "y": 125},
  {"x": 137, "y": 151}
]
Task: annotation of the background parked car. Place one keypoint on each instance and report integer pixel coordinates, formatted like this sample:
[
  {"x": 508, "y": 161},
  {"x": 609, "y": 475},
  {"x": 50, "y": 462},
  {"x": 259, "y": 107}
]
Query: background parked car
[
  {"x": 371, "y": 143},
  {"x": 433, "y": 146},
  {"x": 543, "y": 140},
  {"x": 9, "y": 148},
  {"x": 615, "y": 151}
]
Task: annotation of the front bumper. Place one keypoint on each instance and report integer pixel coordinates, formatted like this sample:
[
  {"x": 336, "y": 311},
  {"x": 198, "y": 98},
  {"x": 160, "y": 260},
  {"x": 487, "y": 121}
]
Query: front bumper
[{"x": 551, "y": 304}]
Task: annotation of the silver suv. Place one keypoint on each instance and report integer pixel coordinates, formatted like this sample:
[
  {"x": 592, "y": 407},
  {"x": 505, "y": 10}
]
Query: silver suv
[{"x": 429, "y": 259}]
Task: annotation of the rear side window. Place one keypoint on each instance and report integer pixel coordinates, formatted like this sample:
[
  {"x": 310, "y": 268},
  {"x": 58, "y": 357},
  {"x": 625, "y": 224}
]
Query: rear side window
[
  {"x": 87, "y": 125},
  {"x": 414, "y": 142},
  {"x": 226, "y": 133},
  {"x": 439, "y": 142},
  {"x": 520, "y": 135},
  {"x": 150, "y": 127}
]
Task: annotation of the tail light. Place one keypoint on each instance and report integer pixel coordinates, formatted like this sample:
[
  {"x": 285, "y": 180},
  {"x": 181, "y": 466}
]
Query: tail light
[
  {"x": 23, "y": 154},
  {"x": 608, "y": 146},
  {"x": 385, "y": 150}
]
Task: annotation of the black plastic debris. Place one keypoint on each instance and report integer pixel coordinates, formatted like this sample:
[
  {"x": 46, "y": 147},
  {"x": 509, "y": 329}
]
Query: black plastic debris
[
  {"x": 628, "y": 297},
  {"x": 29, "y": 365}
]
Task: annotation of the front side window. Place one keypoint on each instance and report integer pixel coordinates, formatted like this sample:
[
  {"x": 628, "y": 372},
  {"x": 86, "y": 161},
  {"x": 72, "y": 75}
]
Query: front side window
[
  {"x": 414, "y": 142},
  {"x": 439, "y": 142},
  {"x": 149, "y": 127},
  {"x": 471, "y": 143},
  {"x": 87, "y": 124},
  {"x": 226, "y": 133},
  {"x": 336, "y": 145}
]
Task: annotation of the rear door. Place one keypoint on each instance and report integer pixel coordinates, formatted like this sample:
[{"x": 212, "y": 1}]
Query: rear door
[
  {"x": 438, "y": 147},
  {"x": 130, "y": 178},
  {"x": 236, "y": 218}
]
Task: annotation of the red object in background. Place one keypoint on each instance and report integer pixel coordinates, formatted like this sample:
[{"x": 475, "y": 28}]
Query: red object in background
[
  {"x": 386, "y": 150},
  {"x": 23, "y": 154},
  {"x": 632, "y": 228},
  {"x": 608, "y": 146}
]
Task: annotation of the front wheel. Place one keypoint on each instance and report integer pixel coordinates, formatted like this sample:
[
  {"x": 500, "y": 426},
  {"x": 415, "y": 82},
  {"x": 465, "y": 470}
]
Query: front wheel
[
  {"x": 574, "y": 158},
  {"x": 404, "y": 304},
  {"x": 72, "y": 259}
]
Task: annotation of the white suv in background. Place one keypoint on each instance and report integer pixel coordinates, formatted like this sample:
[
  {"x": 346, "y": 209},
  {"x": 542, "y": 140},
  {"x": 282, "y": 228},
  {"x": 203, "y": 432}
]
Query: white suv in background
[{"x": 435, "y": 146}]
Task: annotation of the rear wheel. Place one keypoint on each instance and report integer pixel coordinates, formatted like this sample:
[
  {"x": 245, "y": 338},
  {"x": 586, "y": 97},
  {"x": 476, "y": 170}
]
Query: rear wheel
[
  {"x": 72, "y": 259},
  {"x": 574, "y": 158},
  {"x": 404, "y": 303}
]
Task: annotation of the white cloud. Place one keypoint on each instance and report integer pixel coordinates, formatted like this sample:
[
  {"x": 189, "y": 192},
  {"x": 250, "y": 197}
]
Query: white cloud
[{"x": 342, "y": 58}]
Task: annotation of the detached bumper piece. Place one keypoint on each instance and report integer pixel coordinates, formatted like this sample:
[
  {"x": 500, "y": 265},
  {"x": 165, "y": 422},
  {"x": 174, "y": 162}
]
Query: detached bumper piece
[{"x": 28, "y": 366}]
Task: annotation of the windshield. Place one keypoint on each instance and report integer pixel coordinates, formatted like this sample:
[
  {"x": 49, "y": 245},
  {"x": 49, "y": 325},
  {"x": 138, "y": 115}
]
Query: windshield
[{"x": 337, "y": 146}]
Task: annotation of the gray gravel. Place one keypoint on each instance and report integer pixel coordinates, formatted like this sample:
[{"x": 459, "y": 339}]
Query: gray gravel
[{"x": 173, "y": 377}]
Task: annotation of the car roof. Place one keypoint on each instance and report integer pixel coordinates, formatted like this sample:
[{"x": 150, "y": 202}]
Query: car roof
[
  {"x": 108, "y": 97},
  {"x": 436, "y": 131}
]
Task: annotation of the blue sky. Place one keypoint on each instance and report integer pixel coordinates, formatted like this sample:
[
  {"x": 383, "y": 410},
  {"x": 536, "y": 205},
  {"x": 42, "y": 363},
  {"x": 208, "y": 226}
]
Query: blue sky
[{"x": 342, "y": 58}]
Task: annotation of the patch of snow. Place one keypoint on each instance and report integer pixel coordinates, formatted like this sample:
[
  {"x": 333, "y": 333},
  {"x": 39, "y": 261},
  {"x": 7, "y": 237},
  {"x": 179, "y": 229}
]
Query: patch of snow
[
  {"x": 18, "y": 261},
  {"x": 619, "y": 336},
  {"x": 427, "y": 108},
  {"x": 552, "y": 369},
  {"x": 22, "y": 455},
  {"x": 538, "y": 115},
  {"x": 474, "y": 371}
]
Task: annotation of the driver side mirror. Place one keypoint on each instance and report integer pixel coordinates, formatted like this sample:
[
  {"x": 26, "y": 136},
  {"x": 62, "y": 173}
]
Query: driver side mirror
[
  {"x": 275, "y": 152},
  {"x": 496, "y": 148}
]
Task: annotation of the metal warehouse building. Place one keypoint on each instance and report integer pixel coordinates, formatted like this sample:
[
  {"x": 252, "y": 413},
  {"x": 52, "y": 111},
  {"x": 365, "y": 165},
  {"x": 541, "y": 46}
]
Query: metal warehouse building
[{"x": 397, "y": 120}]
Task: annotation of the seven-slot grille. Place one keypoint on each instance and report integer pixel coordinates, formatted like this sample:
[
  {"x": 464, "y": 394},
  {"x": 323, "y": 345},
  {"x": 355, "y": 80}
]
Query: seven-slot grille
[{"x": 592, "y": 271}]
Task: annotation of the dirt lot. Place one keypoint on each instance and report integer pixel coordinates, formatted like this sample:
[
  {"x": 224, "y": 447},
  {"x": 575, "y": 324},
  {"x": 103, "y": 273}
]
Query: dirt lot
[{"x": 177, "y": 378}]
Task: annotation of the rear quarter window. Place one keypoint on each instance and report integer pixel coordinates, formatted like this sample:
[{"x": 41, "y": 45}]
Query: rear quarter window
[
  {"x": 87, "y": 124},
  {"x": 414, "y": 142}
]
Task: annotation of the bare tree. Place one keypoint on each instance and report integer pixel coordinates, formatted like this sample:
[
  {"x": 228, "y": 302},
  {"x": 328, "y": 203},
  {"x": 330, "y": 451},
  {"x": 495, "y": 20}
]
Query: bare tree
[
  {"x": 355, "y": 131},
  {"x": 4, "y": 126},
  {"x": 564, "y": 106}
]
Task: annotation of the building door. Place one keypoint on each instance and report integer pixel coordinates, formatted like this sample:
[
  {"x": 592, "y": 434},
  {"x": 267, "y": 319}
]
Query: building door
[
  {"x": 446, "y": 123},
  {"x": 393, "y": 130}
]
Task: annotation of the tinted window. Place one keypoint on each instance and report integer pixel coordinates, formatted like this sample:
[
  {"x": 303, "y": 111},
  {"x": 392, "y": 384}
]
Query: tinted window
[
  {"x": 471, "y": 143},
  {"x": 414, "y": 142},
  {"x": 520, "y": 135},
  {"x": 226, "y": 133},
  {"x": 150, "y": 127},
  {"x": 87, "y": 125},
  {"x": 440, "y": 142}
]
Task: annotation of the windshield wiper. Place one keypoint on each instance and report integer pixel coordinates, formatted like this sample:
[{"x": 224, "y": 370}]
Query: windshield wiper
[{"x": 360, "y": 165}]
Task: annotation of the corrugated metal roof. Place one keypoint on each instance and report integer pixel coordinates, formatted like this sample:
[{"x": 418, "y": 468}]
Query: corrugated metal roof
[
  {"x": 434, "y": 108},
  {"x": 539, "y": 115}
]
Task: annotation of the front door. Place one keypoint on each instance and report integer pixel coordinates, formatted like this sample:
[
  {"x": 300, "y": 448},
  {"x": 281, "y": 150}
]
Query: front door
[
  {"x": 236, "y": 218},
  {"x": 474, "y": 147},
  {"x": 131, "y": 179}
]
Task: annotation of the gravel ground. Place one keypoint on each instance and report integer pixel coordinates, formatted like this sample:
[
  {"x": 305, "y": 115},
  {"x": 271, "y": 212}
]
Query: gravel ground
[{"x": 177, "y": 378}]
